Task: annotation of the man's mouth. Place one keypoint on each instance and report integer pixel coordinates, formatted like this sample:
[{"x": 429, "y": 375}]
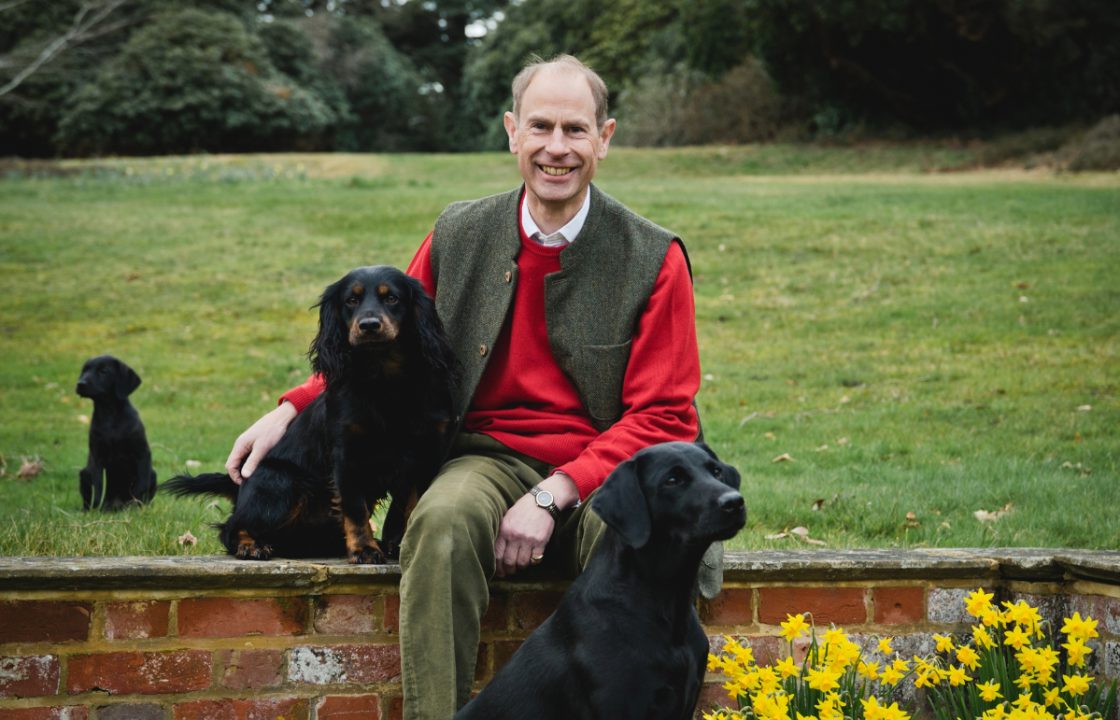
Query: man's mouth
[{"x": 555, "y": 171}]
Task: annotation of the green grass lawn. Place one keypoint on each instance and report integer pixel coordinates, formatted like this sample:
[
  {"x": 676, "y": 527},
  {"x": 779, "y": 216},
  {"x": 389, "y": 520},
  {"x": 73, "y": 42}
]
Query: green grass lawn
[{"x": 886, "y": 350}]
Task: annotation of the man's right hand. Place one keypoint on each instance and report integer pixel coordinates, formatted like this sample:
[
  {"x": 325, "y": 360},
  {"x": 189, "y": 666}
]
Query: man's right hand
[{"x": 253, "y": 444}]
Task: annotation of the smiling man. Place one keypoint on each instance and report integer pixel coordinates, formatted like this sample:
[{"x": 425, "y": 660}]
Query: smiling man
[{"x": 574, "y": 322}]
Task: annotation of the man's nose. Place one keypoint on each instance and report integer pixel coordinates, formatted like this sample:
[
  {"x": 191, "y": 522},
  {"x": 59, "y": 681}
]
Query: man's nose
[{"x": 557, "y": 142}]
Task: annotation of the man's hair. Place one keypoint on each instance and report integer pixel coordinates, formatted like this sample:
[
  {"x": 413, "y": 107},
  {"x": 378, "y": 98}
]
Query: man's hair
[{"x": 562, "y": 62}]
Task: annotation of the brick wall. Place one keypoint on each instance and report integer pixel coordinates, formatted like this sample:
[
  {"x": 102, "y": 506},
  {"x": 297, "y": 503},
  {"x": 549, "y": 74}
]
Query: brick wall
[{"x": 217, "y": 639}]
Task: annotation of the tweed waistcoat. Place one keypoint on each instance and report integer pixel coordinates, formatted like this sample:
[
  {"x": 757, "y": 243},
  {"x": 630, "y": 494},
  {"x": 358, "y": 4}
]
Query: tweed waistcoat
[{"x": 592, "y": 304}]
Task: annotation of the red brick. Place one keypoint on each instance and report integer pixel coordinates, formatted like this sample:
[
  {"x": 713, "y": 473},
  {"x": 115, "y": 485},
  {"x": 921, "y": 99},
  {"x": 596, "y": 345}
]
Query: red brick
[
  {"x": 233, "y": 617},
  {"x": 393, "y": 708},
  {"x": 43, "y": 621},
  {"x": 146, "y": 673},
  {"x": 286, "y": 708},
  {"x": 733, "y": 606},
  {"x": 344, "y": 614},
  {"x": 349, "y": 707},
  {"x": 392, "y": 620},
  {"x": 252, "y": 669},
  {"x": 841, "y": 605},
  {"x": 496, "y": 618},
  {"x": 29, "y": 676},
  {"x": 899, "y": 605},
  {"x": 66, "y": 712},
  {"x": 712, "y": 695},
  {"x": 531, "y": 608},
  {"x": 136, "y": 620},
  {"x": 337, "y": 664}
]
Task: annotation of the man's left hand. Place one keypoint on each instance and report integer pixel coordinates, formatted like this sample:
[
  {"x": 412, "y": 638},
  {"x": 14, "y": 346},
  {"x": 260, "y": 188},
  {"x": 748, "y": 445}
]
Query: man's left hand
[{"x": 526, "y": 528}]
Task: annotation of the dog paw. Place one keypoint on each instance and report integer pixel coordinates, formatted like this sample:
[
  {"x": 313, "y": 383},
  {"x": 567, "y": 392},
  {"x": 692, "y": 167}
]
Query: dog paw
[
  {"x": 252, "y": 551},
  {"x": 369, "y": 555}
]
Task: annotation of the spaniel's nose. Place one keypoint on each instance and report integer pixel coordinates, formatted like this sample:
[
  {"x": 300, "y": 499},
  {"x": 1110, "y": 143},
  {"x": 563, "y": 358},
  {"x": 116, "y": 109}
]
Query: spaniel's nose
[{"x": 369, "y": 324}]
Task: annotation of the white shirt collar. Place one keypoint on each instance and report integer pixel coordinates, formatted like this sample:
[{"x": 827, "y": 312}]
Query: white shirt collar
[{"x": 564, "y": 235}]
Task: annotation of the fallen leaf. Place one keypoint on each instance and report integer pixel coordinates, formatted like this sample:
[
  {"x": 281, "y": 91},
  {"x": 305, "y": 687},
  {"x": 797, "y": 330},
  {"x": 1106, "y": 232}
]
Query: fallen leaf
[
  {"x": 188, "y": 539},
  {"x": 193, "y": 464},
  {"x": 769, "y": 435},
  {"x": 1084, "y": 408},
  {"x": 778, "y": 536},
  {"x": 912, "y": 520},
  {"x": 842, "y": 441},
  {"x": 992, "y": 515},
  {"x": 822, "y": 448},
  {"x": 818, "y": 504},
  {"x": 83, "y": 419},
  {"x": 29, "y": 468},
  {"x": 784, "y": 457}
]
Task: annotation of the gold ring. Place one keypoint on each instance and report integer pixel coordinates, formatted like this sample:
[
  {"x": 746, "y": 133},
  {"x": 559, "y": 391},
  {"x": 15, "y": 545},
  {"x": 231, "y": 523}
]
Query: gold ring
[{"x": 536, "y": 559}]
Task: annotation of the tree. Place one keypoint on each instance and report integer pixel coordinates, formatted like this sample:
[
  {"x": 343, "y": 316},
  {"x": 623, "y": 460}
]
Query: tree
[{"x": 192, "y": 80}]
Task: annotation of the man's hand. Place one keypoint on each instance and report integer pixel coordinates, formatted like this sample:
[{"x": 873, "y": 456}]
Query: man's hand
[
  {"x": 253, "y": 444},
  {"x": 526, "y": 528}
]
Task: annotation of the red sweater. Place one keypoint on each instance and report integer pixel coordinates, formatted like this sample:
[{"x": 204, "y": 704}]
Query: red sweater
[{"x": 526, "y": 402}]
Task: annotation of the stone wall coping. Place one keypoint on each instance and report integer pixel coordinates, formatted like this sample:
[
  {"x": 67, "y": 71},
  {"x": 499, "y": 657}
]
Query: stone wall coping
[{"x": 210, "y": 573}]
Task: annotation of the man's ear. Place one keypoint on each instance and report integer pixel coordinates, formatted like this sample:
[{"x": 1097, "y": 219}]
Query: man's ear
[
  {"x": 621, "y": 503},
  {"x": 510, "y": 121},
  {"x": 605, "y": 134}
]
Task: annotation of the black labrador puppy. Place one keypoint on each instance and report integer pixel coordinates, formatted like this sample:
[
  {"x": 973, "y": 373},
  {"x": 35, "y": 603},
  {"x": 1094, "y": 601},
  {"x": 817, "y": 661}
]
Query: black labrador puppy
[
  {"x": 625, "y": 640},
  {"x": 119, "y": 456}
]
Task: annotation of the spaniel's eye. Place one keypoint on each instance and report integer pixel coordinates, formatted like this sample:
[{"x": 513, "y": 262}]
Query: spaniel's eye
[
  {"x": 353, "y": 301},
  {"x": 390, "y": 300}
]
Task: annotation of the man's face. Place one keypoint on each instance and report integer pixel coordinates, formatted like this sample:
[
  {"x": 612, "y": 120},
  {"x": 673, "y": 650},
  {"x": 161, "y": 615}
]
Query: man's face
[{"x": 558, "y": 144}]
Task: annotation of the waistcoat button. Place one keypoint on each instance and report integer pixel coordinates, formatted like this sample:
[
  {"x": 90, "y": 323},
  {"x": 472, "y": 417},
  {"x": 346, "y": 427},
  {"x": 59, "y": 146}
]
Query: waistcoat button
[{"x": 482, "y": 350}]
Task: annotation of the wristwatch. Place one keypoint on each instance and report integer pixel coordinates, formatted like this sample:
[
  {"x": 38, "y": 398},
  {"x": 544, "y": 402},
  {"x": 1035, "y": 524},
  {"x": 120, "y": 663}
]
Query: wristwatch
[{"x": 545, "y": 501}]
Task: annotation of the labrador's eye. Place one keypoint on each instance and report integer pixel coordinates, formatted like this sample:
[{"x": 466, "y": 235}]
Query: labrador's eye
[
  {"x": 673, "y": 479},
  {"x": 717, "y": 471}
]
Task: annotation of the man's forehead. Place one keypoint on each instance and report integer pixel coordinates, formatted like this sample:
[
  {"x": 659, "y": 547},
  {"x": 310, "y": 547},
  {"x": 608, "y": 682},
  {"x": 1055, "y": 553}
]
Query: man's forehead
[{"x": 558, "y": 86}]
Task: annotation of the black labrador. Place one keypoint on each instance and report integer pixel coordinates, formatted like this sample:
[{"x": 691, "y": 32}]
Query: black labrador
[
  {"x": 625, "y": 640},
  {"x": 120, "y": 460}
]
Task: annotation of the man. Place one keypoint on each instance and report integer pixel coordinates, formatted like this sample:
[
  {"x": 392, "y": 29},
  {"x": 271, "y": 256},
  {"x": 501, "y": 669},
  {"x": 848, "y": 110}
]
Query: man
[{"x": 574, "y": 321}]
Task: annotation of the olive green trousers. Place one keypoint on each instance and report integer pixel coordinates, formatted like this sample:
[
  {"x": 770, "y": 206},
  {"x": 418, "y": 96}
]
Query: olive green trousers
[{"x": 447, "y": 561}]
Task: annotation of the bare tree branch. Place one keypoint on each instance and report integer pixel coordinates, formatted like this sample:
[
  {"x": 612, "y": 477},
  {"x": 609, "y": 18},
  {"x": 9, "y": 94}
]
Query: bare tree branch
[{"x": 86, "y": 25}]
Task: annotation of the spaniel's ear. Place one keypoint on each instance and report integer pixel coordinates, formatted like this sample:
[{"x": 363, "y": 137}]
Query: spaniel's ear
[
  {"x": 328, "y": 350},
  {"x": 434, "y": 347},
  {"x": 621, "y": 503}
]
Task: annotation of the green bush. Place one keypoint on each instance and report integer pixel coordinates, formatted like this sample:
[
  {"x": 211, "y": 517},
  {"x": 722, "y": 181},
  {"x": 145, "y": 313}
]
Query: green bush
[
  {"x": 192, "y": 80},
  {"x": 1097, "y": 149}
]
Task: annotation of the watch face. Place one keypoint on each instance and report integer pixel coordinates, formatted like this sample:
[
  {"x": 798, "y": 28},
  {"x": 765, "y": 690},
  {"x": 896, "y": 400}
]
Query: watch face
[{"x": 544, "y": 498}]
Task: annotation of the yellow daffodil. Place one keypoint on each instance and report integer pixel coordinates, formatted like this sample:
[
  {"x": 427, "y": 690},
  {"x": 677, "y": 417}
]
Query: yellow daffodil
[
  {"x": 982, "y": 637},
  {"x": 1077, "y": 651},
  {"x": 1051, "y": 697},
  {"x": 1075, "y": 685},
  {"x": 787, "y": 667},
  {"x": 968, "y": 657},
  {"x": 1080, "y": 629},
  {"x": 794, "y": 627},
  {"x": 823, "y": 679},
  {"x": 1017, "y": 637},
  {"x": 944, "y": 643},
  {"x": 958, "y": 676},
  {"x": 891, "y": 676},
  {"x": 989, "y": 691},
  {"x": 869, "y": 670},
  {"x": 885, "y": 646},
  {"x": 977, "y": 602}
]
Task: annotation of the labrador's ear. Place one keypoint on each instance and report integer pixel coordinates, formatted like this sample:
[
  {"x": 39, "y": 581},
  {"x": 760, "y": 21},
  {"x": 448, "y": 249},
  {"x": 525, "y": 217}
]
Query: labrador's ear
[
  {"x": 621, "y": 503},
  {"x": 126, "y": 380}
]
